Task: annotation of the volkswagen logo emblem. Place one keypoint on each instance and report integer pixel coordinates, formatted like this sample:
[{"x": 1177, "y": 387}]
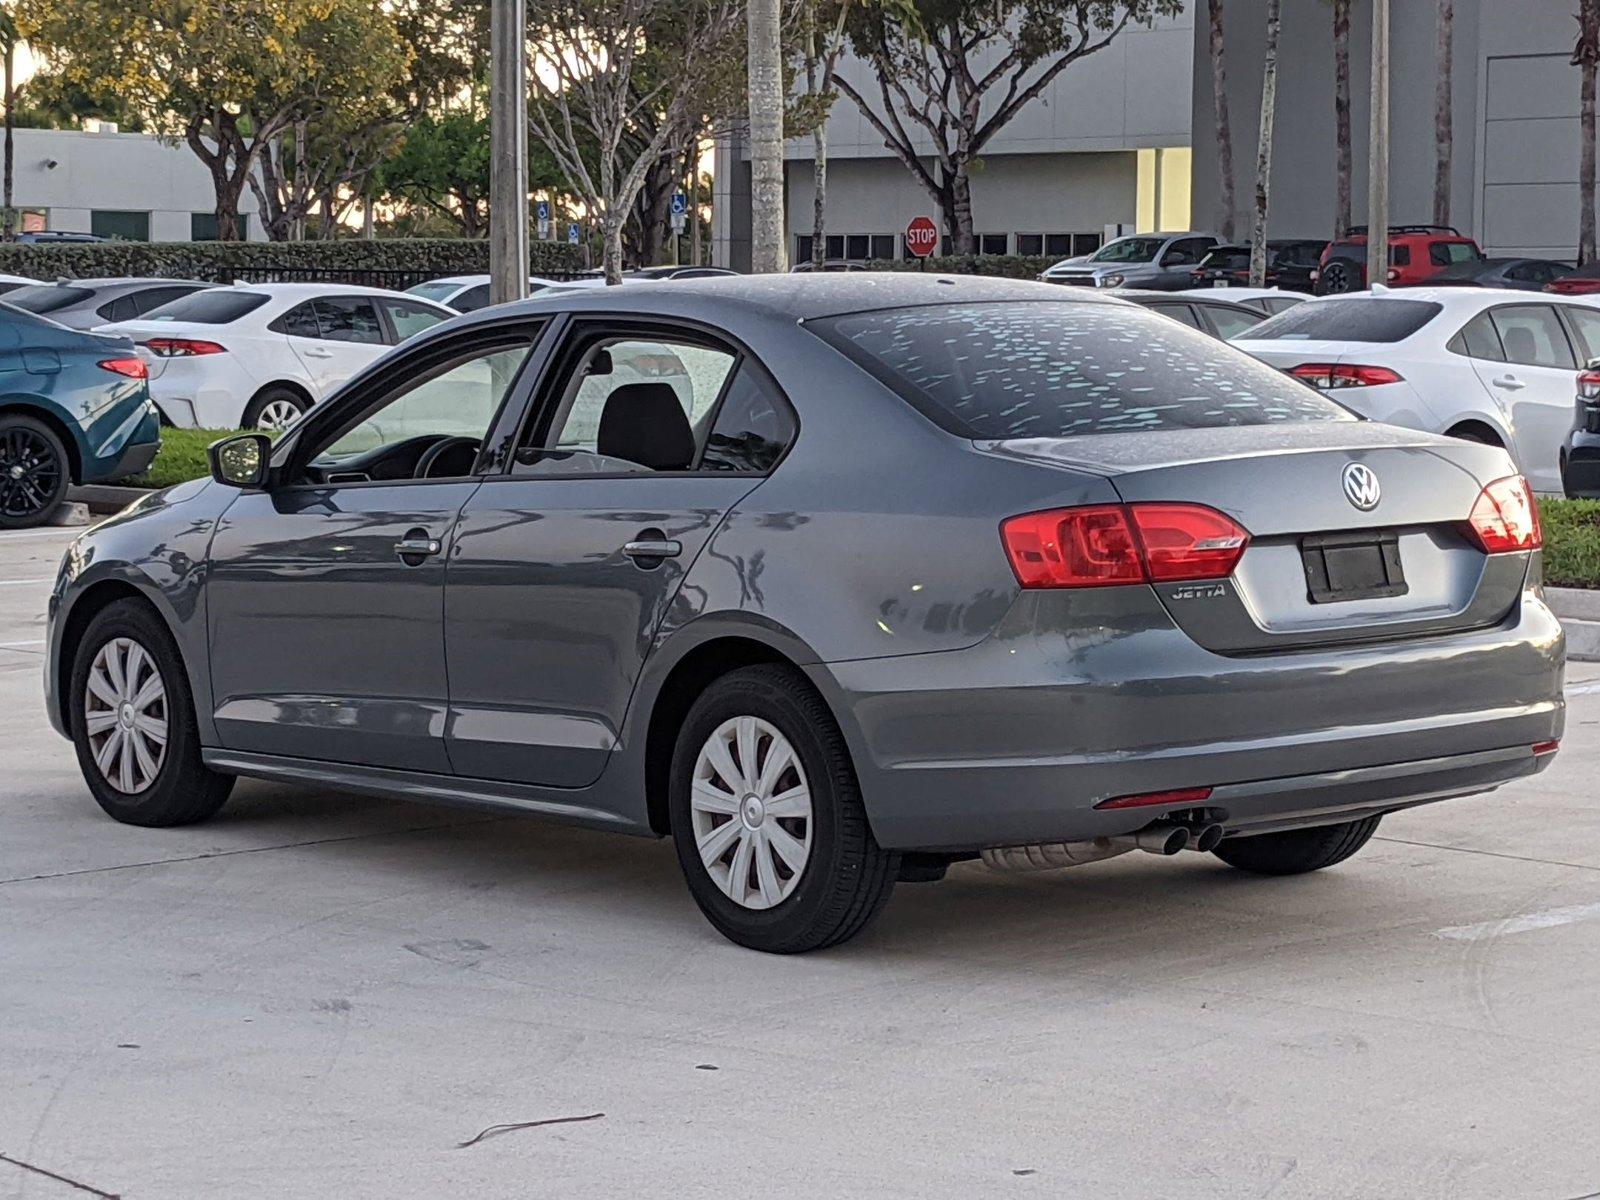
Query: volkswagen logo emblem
[{"x": 1361, "y": 486}]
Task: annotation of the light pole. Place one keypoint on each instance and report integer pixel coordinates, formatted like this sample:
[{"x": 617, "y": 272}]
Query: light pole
[
  {"x": 508, "y": 152},
  {"x": 1378, "y": 150}
]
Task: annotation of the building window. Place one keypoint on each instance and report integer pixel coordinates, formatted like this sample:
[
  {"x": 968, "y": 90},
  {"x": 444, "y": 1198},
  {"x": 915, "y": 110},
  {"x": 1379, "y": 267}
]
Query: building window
[
  {"x": 993, "y": 243},
  {"x": 1030, "y": 245},
  {"x": 1086, "y": 243},
  {"x": 857, "y": 246},
  {"x": 203, "y": 226},
  {"x": 1058, "y": 244},
  {"x": 883, "y": 245},
  {"x": 835, "y": 245},
  {"x": 802, "y": 247},
  {"x": 122, "y": 224}
]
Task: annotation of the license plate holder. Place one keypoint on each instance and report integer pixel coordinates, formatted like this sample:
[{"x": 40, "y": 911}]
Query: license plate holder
[{"x": 1353, "y": 566}]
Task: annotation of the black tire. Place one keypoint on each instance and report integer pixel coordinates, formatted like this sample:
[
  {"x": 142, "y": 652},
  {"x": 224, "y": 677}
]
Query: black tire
[
  {"x": 847, "y": 878},
  {"x": 35, "y": 472},
  {"x": 1297, "y": 851},
  {"x": 183, "y": 790},
  {"x": 1338, "y": 277},
  {"x": 1469, "y": 434},
  {"x": 273, "y": 397}
]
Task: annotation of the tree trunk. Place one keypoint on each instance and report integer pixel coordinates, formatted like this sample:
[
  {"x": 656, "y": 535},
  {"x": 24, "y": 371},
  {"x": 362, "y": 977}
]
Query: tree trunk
[
  {"x": 765, "y": 66},
  {"x": 1269, "y": 107},
  {"x": 1343, "y": 170},
  {"x": 1226, "y": 201},
  {"x": 1587, "y": 56},
  {"x": 957, "y": 205},
  {"x": 611, "y": 226},
  {"x": 819, "y": 149},
  {"x": 1443, "y": 56},
  {"x": 10, "y": 230}
]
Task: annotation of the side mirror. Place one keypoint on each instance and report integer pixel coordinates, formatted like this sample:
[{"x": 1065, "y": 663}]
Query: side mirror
[{"x": 240, "y": 461}]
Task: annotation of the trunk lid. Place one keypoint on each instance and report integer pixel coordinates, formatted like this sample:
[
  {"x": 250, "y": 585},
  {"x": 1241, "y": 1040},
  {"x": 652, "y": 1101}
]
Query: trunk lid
[
  {"x": 1285, "y": 484},
  {"x": 1285, "y": 353}
]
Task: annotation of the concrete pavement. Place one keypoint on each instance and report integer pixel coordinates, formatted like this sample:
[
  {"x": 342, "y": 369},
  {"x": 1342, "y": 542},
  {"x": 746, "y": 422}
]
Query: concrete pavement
[{"x": 320, "y": 995}]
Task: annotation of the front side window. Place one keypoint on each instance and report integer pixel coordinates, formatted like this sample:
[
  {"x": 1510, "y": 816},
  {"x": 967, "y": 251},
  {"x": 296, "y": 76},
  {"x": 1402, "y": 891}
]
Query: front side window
[
  {"x": 1049, "y": 369},
  {"x": 453, "y": 399},
  {"x": 1444, "y": 254},
  {"x": 1532, "y": 335},
  {"x": 410, "y": 319},
  {"x": 631, "y": 404},
  {"x": 1129, "y": 250},
  {"x": 349, "y": 319}
]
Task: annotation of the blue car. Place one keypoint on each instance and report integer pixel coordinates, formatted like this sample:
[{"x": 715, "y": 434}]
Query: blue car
[{"x": 74, "y": 408}]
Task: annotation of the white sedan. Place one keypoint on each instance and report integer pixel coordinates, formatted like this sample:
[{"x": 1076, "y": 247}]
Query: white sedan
[
  {"x": 466, "y": 293},
  {"x": 256, "y": 356},
  {"x": 1490, "y": 366}
]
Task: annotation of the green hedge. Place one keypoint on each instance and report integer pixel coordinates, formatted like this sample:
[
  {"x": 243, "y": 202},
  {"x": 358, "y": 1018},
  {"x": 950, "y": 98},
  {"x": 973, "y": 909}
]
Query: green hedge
[
  {"x": 1571, "y": 542},
  {"x": 1005, "y": 266},
  {"x": 225, "y": 261}
]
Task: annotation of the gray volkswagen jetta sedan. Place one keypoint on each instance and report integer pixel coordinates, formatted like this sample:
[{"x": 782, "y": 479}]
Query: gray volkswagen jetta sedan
[{"x": 834, "y": 580}]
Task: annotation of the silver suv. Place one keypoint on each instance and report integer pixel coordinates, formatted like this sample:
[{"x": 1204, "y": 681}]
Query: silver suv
[{"x": 1161, "y": 261}]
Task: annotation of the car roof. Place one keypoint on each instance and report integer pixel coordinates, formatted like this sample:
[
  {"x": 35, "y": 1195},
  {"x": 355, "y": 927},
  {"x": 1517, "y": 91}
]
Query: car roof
[
  {"x": 120, "y": 281},
  {"x": 1200, "y": 295},
  {"x": 802, "y": 296},
  {"x": 300, "y": 291}
]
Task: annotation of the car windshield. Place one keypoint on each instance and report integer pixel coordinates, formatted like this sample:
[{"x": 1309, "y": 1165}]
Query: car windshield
[
  {"x": 1358, "y": 319},
  {"x": 1229, "y": 258},
  {"x": 214, "y": 306},
  {"x": 1129, "y": 250},
  {"x": 47, "y": 297},
  {"x": 439, "y": 290},
  {"x": 1047, "y": 369}
]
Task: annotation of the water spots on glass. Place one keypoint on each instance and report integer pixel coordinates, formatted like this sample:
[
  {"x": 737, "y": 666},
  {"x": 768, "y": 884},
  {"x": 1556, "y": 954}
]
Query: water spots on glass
[{"x": 1061, "y": 369}]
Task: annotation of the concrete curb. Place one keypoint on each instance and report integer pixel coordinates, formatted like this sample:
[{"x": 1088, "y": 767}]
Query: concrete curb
[
  {"x": 1579, "y": 611},
  {"x": 102, "y": 498}
]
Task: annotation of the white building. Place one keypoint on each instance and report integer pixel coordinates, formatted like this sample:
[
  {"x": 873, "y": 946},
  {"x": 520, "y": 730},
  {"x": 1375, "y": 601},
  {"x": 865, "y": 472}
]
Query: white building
[
  {"x": 127, "y": 185},
  {"x": 1106, "y": 144}
]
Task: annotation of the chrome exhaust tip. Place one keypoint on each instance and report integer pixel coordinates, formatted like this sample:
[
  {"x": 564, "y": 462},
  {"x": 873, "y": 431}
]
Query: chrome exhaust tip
[
  {"x": 1207, "y": 838},
  {"x": 1165, "y": 840}
]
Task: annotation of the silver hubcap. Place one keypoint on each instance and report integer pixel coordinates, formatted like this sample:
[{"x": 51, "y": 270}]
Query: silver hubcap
[
  {"x": 278, "y": 415},
  {"x": 125, "y": 716},
  {"x": 752, "y": 812}
]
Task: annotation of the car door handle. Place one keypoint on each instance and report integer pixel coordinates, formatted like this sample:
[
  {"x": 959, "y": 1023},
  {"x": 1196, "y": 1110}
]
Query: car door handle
[
  {"x": 657, "y": 548},
  {"x": 1510, "y": 383},
  {"x": 318, "y": 352},
  {"x": 417, "y": 546}
]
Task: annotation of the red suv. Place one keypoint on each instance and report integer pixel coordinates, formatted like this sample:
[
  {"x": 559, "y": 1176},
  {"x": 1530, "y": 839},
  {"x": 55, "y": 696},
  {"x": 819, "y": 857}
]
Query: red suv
[{"x": 1416, "y": 254}]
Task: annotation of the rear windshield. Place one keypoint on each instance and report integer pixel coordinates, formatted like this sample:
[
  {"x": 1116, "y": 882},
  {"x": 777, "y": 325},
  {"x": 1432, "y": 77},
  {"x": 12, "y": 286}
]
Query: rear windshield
[
  {"x": 1227, "y": 258},
  {"x": 1354, "y": 320},
  {"x": 215, "y": 306},
  {"x": 1059, "y": 369},
  {"x": 47, "y": 297}
]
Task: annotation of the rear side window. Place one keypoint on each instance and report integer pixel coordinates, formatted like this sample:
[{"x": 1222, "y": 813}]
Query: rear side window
[
  {"x": 472, "y": 299},
  {"x": 1364, "y": 320},
  {"x": 1048, "y": 369},
  {"x": 47, "y": 297},
  {"x": 1586, "y": 323},
  {"x": 1231, "y": 322},
  {"x": 753, "y": 428},
  {"x": 120, "y": 309},
  {"x": 1443, "y": 254},
  {"x": 214, "y": 306},
  {"x": 1478, "y": 339},
  {"x": 300, "y": 321},
  {"x": 1178, "y": 312},
  {"x": 1532, "y": 335}
]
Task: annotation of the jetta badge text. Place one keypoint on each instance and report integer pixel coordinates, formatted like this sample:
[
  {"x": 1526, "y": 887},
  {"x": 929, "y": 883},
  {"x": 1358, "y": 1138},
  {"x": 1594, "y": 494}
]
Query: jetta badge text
[{"x": 1361, "y": 486}]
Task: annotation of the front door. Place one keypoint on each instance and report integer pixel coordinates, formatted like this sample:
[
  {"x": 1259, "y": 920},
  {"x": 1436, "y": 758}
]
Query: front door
[
  {"x": 326, "y": 593},
  {"x": 566, "y": 567}
]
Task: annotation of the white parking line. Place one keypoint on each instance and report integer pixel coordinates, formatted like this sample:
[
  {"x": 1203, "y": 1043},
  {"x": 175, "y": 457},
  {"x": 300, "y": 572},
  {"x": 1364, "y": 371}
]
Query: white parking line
[
  {"x": 38, "y": 533},
  {"x": 1584, "y": 689},
  {"x": 20, "y": 582},
  {"x": 20, "y": 645},
  {"x": 1547, "y": 919}
]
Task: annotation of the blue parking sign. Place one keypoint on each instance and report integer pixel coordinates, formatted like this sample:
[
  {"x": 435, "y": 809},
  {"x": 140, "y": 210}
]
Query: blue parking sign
[
  {"x": 680, "y": 204},
  {"x": 542, "y": 211},
  {"x": 572, "y": 234}
]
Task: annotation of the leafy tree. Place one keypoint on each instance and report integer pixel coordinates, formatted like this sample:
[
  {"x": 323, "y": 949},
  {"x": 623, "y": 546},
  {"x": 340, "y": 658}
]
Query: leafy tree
[
  {"x": 443, "y": 166},
  {"x": 226, "y": 79},
  {"x": 960, "y": 73}
]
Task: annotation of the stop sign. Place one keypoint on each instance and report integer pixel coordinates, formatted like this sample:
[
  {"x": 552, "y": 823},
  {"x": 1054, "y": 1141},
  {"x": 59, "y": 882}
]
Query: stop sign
[{"x": 922, "y": 235}]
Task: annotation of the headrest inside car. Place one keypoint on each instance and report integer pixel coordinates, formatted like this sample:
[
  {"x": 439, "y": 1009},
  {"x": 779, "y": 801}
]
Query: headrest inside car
[{"x": 645, "y": 424}]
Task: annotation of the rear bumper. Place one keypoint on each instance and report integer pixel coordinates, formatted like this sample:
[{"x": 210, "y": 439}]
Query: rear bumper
[
  {"x": 1017, "y": 739},
  {"x": 1580, "y": 465}
]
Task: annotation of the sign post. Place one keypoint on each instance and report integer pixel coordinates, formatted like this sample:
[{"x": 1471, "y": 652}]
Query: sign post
[{"x": 921, "y": 238}]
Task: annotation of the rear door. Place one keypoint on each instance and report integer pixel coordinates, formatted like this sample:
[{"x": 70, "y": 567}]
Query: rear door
[
  {"x": 1535, "y": 386},
  {"x": 566, "y": 565},
  {"x": 336, "y": 337}
]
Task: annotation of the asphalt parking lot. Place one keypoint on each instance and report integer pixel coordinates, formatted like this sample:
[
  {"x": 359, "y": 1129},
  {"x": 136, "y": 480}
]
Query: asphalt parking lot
[{"x": 321, "y": 995}]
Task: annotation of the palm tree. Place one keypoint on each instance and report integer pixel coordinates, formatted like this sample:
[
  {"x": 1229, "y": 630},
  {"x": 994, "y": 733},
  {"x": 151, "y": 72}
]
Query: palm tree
[
  {"x": 1444, "y": 26},
  {"x": 764, "y": 61},
  {"x": 1586, "y": 55},
  {"x": 1269, "y": 107},
  {"x": 1219, "y": 106},
  {"x": 1343, "y": 171},
  {"x": 8, "y": 46}
]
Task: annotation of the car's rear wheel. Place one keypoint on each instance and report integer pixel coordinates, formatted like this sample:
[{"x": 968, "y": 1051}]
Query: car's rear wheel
[
  {"x": 274, "y": 408},
  {"x": 34, "y": 472},
  {"x": 1338, "y": 277},
  {"x": 767, "y": 816},
  {"x": 133, "y": 722},
  {"x": 1296, "y": 851}
]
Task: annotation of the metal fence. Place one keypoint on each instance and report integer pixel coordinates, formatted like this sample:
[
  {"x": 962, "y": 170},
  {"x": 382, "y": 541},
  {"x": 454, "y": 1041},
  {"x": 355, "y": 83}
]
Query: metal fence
[{"x": 382, "y": 277}]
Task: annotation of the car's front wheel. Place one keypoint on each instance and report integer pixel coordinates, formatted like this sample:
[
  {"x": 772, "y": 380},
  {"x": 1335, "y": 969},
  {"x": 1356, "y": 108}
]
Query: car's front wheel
[
  {"x": 1296, "y": 851},
  {"x": 133, "y": 722},
  {"x": 1339, "y": 277},
  {"x": 768, "y": 819},
  {"x": 34, "y": 472}
]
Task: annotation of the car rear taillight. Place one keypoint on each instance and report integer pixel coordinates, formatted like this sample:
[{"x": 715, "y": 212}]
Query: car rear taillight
[
  {"x": 1342, "y": 375},
  {"x": 1105, "y": 545},
  {"x": 1504, "y": 518},
  {"x": 1589, "y": 385},
  {"x": 133, "y": 368},
  {"x": 174, "y": 347}
]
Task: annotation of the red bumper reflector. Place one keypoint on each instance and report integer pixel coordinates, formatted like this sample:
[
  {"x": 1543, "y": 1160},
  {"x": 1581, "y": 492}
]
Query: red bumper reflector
[
  {"x": 1540, "y": 749},
  {"x": 1143, "y": 800}
]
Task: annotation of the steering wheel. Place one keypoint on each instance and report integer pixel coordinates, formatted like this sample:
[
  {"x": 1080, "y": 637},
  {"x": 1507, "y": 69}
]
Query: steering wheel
[{"x": 432, "y": 455}]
